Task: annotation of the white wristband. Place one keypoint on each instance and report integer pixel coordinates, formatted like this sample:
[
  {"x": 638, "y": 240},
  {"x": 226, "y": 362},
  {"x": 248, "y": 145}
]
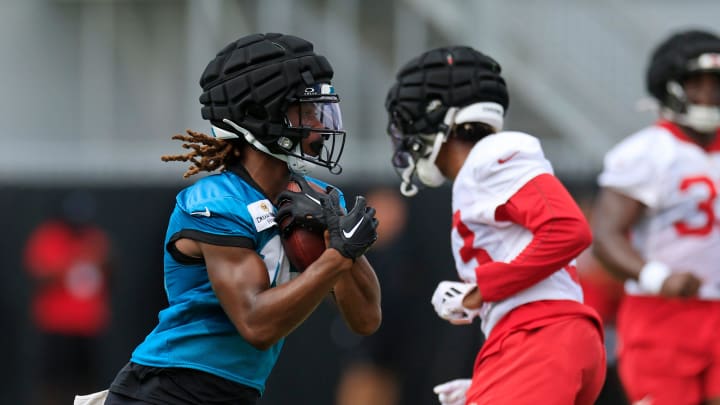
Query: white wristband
[{"x": 652, "y": 276}]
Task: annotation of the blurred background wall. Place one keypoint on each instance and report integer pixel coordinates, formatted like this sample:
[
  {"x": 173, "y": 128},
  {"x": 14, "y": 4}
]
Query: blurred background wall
[{"x": 93, "y": 90}]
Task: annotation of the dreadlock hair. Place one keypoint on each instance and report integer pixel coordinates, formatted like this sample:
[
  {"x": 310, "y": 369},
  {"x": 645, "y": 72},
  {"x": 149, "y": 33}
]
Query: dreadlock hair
[{"x": 207, "y": 153}]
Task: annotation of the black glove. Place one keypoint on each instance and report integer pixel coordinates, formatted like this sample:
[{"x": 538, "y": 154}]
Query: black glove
[
  {"x": 304, "y": 208},
  {"x": 354, "y": 233}
]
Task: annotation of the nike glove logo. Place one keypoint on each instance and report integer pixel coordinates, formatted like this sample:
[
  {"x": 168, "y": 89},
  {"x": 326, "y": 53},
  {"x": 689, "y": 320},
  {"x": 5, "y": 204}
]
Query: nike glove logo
[
  {"x": 205, "y": 213},
  {"x": 350, "y": 234},
  {"x": 315, "y": 200}
]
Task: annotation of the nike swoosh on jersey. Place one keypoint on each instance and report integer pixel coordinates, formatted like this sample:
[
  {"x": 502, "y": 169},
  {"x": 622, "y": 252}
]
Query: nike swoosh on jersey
[
  {"x": 354, "y": 229},
  {"x": 501, "y": 161},
  {"x": 205, "y": 213}
]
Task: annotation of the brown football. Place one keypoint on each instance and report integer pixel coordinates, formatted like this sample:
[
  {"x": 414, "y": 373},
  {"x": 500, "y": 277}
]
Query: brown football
[{"x": 302, "y": 246}]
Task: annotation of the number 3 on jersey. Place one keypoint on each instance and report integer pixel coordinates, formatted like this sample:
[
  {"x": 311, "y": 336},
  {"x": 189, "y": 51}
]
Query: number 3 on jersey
[{"x": 705, "y": 206}]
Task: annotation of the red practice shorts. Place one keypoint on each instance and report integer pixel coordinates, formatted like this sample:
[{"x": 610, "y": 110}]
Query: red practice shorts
[
  {"x": 669, "y": 350},
  {"x": 561, "y": 363}
]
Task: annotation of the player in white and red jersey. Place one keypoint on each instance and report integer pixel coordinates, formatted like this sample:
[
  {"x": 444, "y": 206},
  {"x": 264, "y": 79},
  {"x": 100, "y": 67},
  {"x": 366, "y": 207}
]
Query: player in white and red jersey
[
  {"x": 515, "y": 234},
  {"x": 658, "y": 227}
]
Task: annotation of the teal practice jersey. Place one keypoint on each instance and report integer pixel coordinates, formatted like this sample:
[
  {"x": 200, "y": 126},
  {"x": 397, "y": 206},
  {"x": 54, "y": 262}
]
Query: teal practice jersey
[{"x": 226, "y": 209}]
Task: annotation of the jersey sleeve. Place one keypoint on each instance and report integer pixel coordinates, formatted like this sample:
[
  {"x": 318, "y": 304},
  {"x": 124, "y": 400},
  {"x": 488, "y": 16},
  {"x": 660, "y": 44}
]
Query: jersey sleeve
[
  {"x": 501, "y": 164},
  {"x": 220, "y": 219},
  {"x": 634, "y": 167},
  {"x": 559, "y": 233}
]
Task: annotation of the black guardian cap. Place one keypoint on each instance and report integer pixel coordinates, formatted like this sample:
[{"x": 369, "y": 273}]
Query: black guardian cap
[
  {"x": 249, "y": 85},
  {"x": 434, "y": 92},
  {"x": 439, "y": 79}
]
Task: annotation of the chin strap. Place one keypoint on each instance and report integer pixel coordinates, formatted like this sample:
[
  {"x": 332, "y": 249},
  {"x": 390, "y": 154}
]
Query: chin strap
[
  {"x": 407, "y": 188},
  {"x": 294, "y": 163}
]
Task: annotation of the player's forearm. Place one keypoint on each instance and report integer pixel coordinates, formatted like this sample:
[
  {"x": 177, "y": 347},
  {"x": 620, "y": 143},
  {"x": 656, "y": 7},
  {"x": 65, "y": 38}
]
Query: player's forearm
[
  {"x": 617, "y": 255},
  {"x": 560, "y": 232},
  {"x": 357, "y": 294},
  {"x": 615, "y": 215},
  {"x": 554, "y": 245},
  {"x": 276, "y": 312}
]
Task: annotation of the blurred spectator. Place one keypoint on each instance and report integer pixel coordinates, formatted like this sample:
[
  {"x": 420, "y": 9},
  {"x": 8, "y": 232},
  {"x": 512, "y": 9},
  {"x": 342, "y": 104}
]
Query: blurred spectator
[{"x": 67, "y": 257}]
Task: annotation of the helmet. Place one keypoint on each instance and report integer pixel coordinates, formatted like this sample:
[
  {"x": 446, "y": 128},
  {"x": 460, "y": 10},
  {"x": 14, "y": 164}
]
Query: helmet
[
  {"x": 433, "y": 92},
  {"x": 250, "y": 85},
  {"x": 682, "y": 55}
]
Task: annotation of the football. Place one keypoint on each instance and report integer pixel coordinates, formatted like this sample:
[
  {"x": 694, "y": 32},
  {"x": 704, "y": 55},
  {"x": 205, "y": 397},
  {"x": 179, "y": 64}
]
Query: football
[{"x": 302, "y": 246}]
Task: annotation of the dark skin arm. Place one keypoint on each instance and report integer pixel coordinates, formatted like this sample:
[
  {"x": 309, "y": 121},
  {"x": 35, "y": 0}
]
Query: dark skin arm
[
  {"x": 264, "y": 315},
  {"x": 473, "y": 300},
  {"x": 615, "y": 214},
  {"x": 357, "y": 294}
]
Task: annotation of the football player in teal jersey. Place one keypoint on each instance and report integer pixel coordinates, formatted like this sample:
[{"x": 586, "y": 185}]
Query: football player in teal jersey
[{"x": 233, "y": 297}]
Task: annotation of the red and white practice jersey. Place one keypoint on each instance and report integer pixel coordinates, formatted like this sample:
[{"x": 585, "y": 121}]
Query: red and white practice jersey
[
  {"x": 497, "y": 168},
  {"x": 678, "y": 181}
]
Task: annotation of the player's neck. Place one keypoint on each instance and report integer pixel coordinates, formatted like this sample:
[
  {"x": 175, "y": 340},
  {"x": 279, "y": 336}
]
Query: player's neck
[
  {"x": 703, "y": 139},
  {"x": 270, "y": 173},
  {"x": 452, "y": 157}
]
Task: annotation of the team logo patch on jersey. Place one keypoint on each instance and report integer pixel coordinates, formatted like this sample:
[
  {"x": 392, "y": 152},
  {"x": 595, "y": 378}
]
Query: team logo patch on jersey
[{"x": 262, "y": 215}]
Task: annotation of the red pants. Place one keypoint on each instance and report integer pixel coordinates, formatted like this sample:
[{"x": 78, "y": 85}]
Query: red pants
[
  {"x": 670, "y": 350},
  {"x": 561, "y": 363}
]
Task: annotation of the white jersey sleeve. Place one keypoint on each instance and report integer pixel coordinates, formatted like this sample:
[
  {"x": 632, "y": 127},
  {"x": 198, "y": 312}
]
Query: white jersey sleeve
[
  {"x": 634, "y": 167},
  {"x": 498, "y": 166}
]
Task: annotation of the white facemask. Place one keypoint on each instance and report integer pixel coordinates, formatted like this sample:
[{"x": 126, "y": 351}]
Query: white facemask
[
  {"x": 425, "y": 168},
  {"x": 702, "y": 118}
]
